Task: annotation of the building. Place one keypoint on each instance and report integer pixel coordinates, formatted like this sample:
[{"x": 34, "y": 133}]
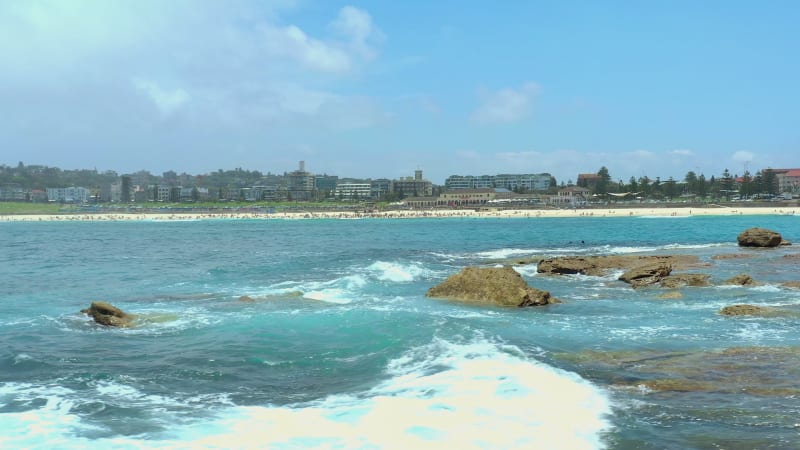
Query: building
[
  {"x": 788, "y": 180},
  {"x": 571, "y": 197},
  {"x": 457, "y": 198},
  {"x": 512, "y": 182},
  {"x": 416, "y": 186},
  {"x": 69, "y": 195},
  {"x": 588, "y": 180},
  {"x": 380, "y": 187},
  {"x": 301, "y": 184},
  {"x": 353, "y": 191}
]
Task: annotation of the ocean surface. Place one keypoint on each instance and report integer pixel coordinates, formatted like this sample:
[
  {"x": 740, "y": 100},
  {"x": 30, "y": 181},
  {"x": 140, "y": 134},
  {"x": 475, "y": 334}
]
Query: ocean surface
[{"x": 337, "y": 346}]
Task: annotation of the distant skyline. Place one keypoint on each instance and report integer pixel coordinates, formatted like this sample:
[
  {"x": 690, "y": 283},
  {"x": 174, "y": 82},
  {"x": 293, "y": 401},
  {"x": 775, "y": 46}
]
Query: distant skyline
[{"x": 379, "y": 89}]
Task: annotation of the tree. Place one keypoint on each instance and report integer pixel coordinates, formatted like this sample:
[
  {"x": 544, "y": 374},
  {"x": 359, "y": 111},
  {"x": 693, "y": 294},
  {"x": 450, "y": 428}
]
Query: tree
[
  {"x": 602, "y": 183},
  {"x": 770, "y": 181},
  {"x": 633, "y": 186}
]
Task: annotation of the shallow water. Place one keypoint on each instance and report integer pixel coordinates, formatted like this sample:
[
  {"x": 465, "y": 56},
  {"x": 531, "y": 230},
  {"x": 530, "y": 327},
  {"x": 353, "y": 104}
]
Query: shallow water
[{"x": 337, "y": 346}]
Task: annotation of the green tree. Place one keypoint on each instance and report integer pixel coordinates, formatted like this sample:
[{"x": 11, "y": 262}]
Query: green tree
[{"x": 603, "y": 182}]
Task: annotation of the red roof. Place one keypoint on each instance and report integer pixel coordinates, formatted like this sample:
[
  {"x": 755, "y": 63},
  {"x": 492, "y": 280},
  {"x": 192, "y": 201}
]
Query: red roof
[{"x": 793, "y": 173}]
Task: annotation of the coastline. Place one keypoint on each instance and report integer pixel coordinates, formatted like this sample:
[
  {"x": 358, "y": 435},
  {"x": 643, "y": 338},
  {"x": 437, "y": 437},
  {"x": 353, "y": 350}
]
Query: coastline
[{"x": 409, "y": 214}]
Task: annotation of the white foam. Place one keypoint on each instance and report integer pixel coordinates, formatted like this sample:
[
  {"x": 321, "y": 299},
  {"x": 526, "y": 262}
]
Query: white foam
[
  {"x": 465, "y": 396},
  {"x": 528, "y": 270},
  {"x": 396, "y": 272}
]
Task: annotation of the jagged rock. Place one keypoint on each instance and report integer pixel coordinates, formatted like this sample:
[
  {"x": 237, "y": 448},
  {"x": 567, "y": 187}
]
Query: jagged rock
[
  {"x": 759, "y": 237},
  {"x": 686, "y": 279},
  {"x": 109, "y": 315},
  {"x": 670, "y": 295},
  {"x": 741, "y": 280},
  {"x": 646, "y": 275},
  {"x": 495, "y": 286},
  {"x": 602, "y": 265}
]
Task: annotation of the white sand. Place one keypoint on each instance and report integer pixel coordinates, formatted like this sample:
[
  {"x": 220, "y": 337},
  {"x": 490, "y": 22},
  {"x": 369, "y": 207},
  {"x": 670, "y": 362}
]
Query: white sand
[{"x": 545, "y": 213}]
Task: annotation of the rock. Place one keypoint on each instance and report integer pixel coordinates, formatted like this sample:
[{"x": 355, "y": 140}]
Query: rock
[
  {"x": 494, "y": 286},
  {"x": 646, "y": 275},
  {"x": 759, "y": 237},
  {"x": 686, "y": 279},
  {"x": 753, "y": 310},
  {"x": 791, "y": 284},
  {"x": 741, "y": 280},
  {"x": 785, "y": 242},
  {"x": 109, "y": 315},
  {"x": 733, "y": 256},
  {"x": 670, "y": 295},
  {"x": 602, "y": 265},
  {"x": 246, "y": 299}
]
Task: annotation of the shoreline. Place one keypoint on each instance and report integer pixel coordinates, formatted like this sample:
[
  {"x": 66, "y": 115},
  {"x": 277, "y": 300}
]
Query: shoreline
[{"x": 408, "y": 214}]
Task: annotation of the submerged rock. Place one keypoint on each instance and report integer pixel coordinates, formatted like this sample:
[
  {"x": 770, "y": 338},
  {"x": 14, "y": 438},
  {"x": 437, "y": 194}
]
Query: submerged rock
[
  {"x": 732, "y": 256},
  {"x": 791, "y": 284},
  {"x": 686, "y": 279},
  {"x": 741, "y": 280},
  {"x": 602, "y": 265},
  {"x": 109, "y": 315},
  {"x": 493, "y": 286},
  {"x": 670, "y": 295},
  {"x": 759, "y": 311},
  {"x": 646, "y": 275},
  {"x": 759, "y": 237}
]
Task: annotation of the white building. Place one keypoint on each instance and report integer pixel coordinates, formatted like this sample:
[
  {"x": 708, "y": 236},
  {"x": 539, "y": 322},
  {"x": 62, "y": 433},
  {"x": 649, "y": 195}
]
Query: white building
[
  {"x": 69, "y": 195},
  {"x": 353, "y": 191}
]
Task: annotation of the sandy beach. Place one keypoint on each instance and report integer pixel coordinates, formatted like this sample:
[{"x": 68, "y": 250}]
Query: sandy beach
[{"x": 407, "y": 214}]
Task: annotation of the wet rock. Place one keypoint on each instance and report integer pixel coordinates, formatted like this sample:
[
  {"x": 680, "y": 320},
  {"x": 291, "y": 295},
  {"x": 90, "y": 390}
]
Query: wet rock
[
  {"x": 491, "y": 286},
  {"x": 791, "y": 284},
  {"x": 759, "y": 237},
  {"x": 646, "y": 275},
  {"x": 670, "y": 295},
  {"x": 602, "y": 265},
  {"x": 741, "y": 280},
  {"x": 246, "y": 299},
  {"x": 109, "y": 315},
  {"x": 732, "y": 256},
  {"x": 744, "y": 310},
  {"x": 686, "y": 279}
]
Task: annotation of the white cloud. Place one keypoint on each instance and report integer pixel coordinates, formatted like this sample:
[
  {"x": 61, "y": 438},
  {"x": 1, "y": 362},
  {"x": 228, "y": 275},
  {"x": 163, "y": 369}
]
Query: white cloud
[
  {"x": 682, "y": 152},
  {"x": 357, "y": 26},
  {"x": 743, "y": 157},
  {"x": 292, "y": 43},
  {"x": 167, "y": 101},
  {"x": 506, "y": 105}
]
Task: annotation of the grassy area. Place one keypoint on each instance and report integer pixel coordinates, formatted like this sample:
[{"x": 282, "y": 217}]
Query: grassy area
[{"x": 28, "y": 208}]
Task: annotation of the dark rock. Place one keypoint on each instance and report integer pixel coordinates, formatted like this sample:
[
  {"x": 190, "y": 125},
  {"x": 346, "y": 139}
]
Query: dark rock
[
  {"x": 759, "y": 237},
  {"x": 741, "y": 280},
  {"x": 686, "y": 279},
  {"x": 109, "y": 315},
  {"x": 494, "y": 286},
  {"x": 646, "y": 275}
]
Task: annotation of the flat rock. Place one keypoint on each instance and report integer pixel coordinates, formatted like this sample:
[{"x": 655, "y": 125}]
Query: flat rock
[
  {"x": 754, "y": 310},
  {"x": 741, "y": 280},
  {"x": 109, "y": 315},
  {"x": 791, "y": 284},
  {"x": 759, "y": 237},
  {"x": 500, "y": 286},
  {"x": 671, "y": 295},
  {"x": 602, "y": 265}
]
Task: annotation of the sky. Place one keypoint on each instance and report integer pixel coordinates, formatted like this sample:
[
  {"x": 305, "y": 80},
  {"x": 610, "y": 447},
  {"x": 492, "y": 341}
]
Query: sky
[{"x": 378, "y": 89}]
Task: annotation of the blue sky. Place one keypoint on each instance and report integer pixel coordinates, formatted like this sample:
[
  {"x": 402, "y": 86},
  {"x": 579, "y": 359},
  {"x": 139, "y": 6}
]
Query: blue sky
[{"x": 379, "y": 89}]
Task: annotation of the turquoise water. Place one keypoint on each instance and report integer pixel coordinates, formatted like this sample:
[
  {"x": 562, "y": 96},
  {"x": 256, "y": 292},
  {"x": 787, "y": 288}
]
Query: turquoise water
[{"x": 341, "y": 349}]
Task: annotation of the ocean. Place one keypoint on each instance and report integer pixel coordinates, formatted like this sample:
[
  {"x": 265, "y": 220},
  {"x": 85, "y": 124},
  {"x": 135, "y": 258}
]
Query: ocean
[{"x": 335, "y": 345}]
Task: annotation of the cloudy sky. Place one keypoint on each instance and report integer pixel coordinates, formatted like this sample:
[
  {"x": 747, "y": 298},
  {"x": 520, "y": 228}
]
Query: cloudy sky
[{"x": 381, "y": 88}]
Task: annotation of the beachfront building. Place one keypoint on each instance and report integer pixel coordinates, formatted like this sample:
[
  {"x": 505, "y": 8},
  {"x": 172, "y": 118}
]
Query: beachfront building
[
  {"x": 571, "y": 197},
  {"x": 512, "y": 182},
  {"x": 588, "y": 180}
]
